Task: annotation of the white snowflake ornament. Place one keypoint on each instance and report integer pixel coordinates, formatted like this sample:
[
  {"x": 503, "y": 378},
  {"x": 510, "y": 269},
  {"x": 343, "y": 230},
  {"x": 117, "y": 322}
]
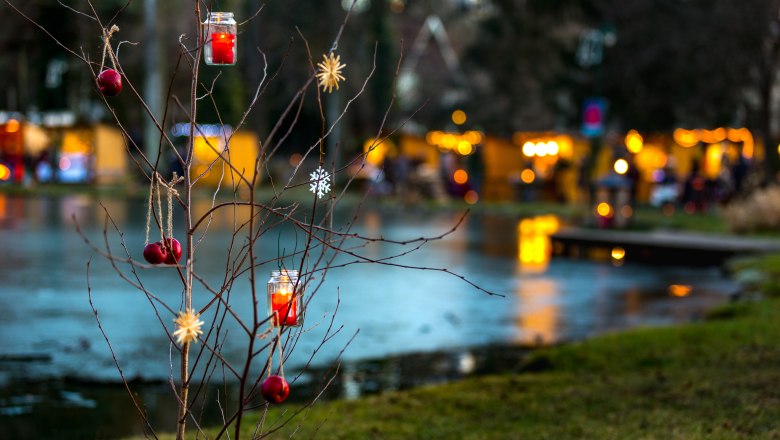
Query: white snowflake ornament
[{"x": 320, "y": 182}]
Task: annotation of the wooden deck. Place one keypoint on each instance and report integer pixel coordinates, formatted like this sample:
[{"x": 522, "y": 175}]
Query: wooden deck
[{"x": 660, "y": 247}]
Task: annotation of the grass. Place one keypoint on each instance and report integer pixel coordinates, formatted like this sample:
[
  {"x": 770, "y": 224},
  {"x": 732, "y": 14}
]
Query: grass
[{"x": 713, "y": 379}]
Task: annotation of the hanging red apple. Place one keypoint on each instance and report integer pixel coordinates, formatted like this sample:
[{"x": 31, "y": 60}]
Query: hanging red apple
[
  {"x": 154, "y": 253},
  {"x": 275, "y": 389},
  {"x": 174, "y": 250},
  {"x": 109, "y": 82}
]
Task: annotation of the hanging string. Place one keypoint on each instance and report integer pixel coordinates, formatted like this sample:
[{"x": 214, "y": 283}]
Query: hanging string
[
  {"x": 281, "y": 357},
  {"x": 107, "y": 33},
  {"x": 149, "y": 208},
  {"x": 276, "y": 346},
  {"x": 159, "y": 204},
  {"x": 170, "y": 191}
]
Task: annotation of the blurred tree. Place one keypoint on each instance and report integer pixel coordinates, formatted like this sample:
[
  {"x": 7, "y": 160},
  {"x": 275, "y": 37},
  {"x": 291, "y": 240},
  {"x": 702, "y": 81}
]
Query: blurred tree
[
  {"x": 695, "y": 63},
  {"x": 764, "y": 72},
  {"x": 522, "y": 65},
  {"x": 680, "y": 62}
]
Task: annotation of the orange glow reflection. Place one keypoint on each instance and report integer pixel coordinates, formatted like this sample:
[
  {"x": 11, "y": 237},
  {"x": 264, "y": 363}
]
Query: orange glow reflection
[
  {"x": 680, "y": 290},
  {"x": 534, "y": 247},
  {"x": 538, "y": 315}
]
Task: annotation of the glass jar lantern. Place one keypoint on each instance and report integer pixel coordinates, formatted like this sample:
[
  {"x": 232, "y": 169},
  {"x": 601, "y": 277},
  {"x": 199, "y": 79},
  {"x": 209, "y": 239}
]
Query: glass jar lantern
[
  {"x": 284, "y": 298},
  {"x": 219, "y": 36}
]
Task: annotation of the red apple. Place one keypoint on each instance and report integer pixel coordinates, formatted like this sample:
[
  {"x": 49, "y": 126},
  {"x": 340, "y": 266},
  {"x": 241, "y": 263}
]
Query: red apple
[
  {"x": 173, "y": 247},
  {"x": 154, "y": 253},
  {"x": 275, "y": 389},
  {"x": 109, "y": 82}
]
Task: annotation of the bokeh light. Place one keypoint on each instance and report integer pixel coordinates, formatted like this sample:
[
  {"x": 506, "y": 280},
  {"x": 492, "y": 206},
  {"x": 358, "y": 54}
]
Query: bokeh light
[
  {"x": 621, "y": 166},
  {"x": 529, "y": 149},
  {"x": 459, "y": 117},
  {"x": 528, "y": 176},
  {"x": 460, "y": 177},
  {"x": 471, "y": 197},
  {"x": 603, "y": 209}
]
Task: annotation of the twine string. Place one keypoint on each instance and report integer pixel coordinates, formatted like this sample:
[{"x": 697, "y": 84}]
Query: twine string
[
  {"x": 281, "y": 356},
  {"x": 278, "y": 346},
  {"x": 149, "y": 208},
  {"x": 157, "y": 180},
  {"x": 170, "y": 191},
  {"x": 107, "y": 33}
]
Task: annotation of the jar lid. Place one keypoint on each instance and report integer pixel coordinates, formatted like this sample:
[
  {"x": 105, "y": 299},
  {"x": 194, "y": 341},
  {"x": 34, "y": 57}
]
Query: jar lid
[
  {"x": 290, "y": 273},
  {"x": 220, "y": 15}
]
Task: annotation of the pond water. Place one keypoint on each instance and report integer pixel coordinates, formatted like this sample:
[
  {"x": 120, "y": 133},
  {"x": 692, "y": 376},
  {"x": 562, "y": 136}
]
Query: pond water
[{"x": 49, "y": 332}]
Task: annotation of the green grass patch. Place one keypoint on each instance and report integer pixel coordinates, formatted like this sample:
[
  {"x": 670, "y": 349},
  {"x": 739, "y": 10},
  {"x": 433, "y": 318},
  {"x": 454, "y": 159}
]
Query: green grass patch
[
  {"x": 714, "y": 379},
  {"x": 757, "y": 273}
]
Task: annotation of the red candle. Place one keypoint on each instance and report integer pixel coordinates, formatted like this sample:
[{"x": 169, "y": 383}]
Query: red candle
[
  {"x": 285, "y": 308},
  {"x": 222, "y": 48}
]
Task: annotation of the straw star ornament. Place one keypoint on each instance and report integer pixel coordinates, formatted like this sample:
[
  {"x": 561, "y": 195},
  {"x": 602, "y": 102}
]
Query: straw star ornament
[
  {"x": 187, "y": 327},
  {"x": 329, "y": 73}
]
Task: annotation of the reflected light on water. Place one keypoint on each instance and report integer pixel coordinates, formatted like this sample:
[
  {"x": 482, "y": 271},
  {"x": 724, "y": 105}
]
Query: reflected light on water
[
  {"x": 680, "y": 290},
  {"x": 538, "y": 297},
  {"x": 538, "y": 311},
  {"x": 618, "y": 254},
  {"x": 223, "y": 218},
  {"x": 534, "y": 247}
]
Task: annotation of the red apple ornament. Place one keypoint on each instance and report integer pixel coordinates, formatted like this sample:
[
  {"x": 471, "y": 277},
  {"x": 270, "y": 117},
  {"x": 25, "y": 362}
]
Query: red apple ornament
[
  {"x": 109, "y": 82},
  {"x": 173, "y": 248},
  {"x": 275, "y": 389},
  {"x": 154, "y": 253}
]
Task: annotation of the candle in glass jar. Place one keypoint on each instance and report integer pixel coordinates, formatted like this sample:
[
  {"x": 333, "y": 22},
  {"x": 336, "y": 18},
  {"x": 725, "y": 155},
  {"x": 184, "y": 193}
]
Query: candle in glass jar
[
  {"x": 284, "y": 298},
  {"x": 284, "y": 308},
  {"x": 222, "y": 48}
]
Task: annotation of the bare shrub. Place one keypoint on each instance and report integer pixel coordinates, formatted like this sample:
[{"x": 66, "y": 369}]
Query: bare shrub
[
  {"x": 196, "y": 323},
  {"x": 758, "y": 211}
]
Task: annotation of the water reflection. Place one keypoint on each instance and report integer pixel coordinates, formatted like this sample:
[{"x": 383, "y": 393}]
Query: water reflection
[
  {"x": 538, "y": 310},
  {"x": 538, "y": 306},
  {"x": 395, "y": 310},
  {"x": 226, "y": 218},
  {"x": 534, "y": 243},
  {"x": 415, "y": 326},
  {"x": 618, "y": 254}
]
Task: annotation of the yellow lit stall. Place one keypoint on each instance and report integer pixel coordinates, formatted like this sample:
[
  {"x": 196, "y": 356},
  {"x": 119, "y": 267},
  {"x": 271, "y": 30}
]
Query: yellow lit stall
[
  {"x": 417, "y": 148},
  {"x": 448, "y": 152},
  {"x": 110, "y": 163},
  {"x": 11, "y": 150},
  {"x": 209, "y": 154},
  {"x": 92, "y": 154},
  {"x": 656, "y": 155},
  {"x": 529, "y": 160},
  {"x": 73, "y": 160}
]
